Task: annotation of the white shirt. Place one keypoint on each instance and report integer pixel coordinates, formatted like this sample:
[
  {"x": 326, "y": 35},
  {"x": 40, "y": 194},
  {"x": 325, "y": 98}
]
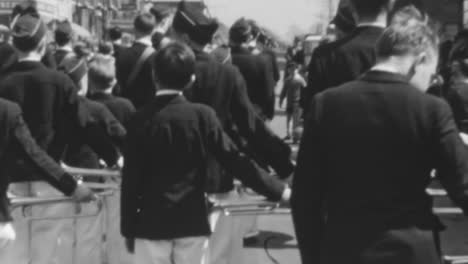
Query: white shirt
[
  {"x": 168, "y": 92},
  {"x": 145, "y": 41}
]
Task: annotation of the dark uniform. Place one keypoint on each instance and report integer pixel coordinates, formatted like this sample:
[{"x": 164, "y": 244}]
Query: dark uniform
[
  {"x": 79, "y": 153},
  {"x": 52, "y": 111},
  {"x": 8, "y": 59},
  {"x": 364, "y": 164},
  {"x": 142, "y": 89},
  {"x": 259, "y": 77},
  {"x": 60, "y": 54},
  {"x": 223, "y": 88},
  {"x": 271, "y": 55},
  {"x": 457, "y": 97},
  {"x": 342, "y": 61},
  {"x": 17, "y": 148},
  {"x": 49, "y": 60},
  {"x": 166, "y": 161},
  {"x": 120, "y": 107}
]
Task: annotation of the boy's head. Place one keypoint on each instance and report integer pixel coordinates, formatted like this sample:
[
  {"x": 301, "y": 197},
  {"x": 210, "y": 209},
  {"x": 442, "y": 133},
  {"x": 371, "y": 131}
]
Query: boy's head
[
  {"x": 144, "y": 24},
  {"x": 63, "y": 33},
  {"x": 174, "y": 67},
  {"x": 241, "y": 32},
  {"x": 371, "y": 9},
  {"x": 76, "y": 68},
  {"x": 415, "y": 45},
  {"x": 101, "y": 72},
  {"x": 106, "y": 48},
  {"x": 29, "y": 34},
  {"x": 115, "y": 33}
]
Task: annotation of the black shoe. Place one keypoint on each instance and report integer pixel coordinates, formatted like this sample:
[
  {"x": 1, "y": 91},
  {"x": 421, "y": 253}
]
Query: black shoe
[{"x": 251, "y": 241}]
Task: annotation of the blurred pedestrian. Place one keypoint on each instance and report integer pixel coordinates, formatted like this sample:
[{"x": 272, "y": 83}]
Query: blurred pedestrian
[
  {"x": 133, "y": 65},
  {"x": 63, "y": 39},
  {"x": 342, "y": 61},
  {"x": 257, "y": 70},
  {"x": 293, "y": 85}
]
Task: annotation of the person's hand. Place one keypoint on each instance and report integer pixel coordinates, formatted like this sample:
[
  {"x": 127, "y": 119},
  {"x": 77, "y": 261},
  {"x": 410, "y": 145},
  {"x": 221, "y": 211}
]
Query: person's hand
[
  {"x": 7, "y": 234},
  {"x": 84, "y": 194},
  {"x": 130, "y": 245},
  {"x": 464, "y": 137},
  {"x": 286, "y": 196}
]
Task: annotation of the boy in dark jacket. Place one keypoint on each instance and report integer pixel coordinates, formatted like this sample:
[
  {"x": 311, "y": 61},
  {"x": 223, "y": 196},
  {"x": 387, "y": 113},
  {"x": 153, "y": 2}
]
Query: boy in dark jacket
[
  {"x": 166, "y": 153},
  {"x": 102, "y": 80}
]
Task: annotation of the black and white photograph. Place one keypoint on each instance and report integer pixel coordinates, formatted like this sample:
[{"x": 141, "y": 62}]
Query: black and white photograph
[{"x": 233, "y": 132}]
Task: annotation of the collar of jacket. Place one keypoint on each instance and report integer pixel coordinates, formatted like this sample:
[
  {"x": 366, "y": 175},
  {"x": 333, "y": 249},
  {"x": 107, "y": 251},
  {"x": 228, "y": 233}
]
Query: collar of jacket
[
  {"x": 145, "y": 41},
  {"x": 240, "y": 50},
  {"x": 168, "y": 92},
  {"x": 202, "y": 56},
  {"x": 384, "y": 77},
  {"x": 101, "y": 95},
  {"x": 66, "y": 48},
  {"x": 26, "y": 65}
]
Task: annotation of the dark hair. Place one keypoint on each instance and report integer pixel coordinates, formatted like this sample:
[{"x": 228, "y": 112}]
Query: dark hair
[
  {"x": 368, "y": 8},
  {"x": 102, "y": 71},
  {"x": 409, "y": 37},
  {"x": 62, "y": 39},
  {"x": 145, "y": 23},
  {"x": 174, "y": 65},
  {"x": 105, "y": 48},
  {"x": 115, "y": 33}
]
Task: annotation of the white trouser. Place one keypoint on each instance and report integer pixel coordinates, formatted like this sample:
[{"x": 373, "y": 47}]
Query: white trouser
[
  {"x": 225, "y": 244},
  {"x": 187, "y": 250},
  {"x": 41, "y": 241},
  {"x": 7, "y": 235}
]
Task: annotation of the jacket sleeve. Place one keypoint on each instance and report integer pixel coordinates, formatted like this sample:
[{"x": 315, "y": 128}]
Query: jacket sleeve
[
  {"x": 49, "y": 169},
  {"x": 269, "y": 86},
  {"x": 260, "y": 138},
  {"x": 451, "y": 157},
  {"x": 130, "y": 183},
  {"x": 243, "y": 168},
  {"x": 114, "y": 128},
  {"x": 307, "y": 192},
  {"x": 98, "y": 134},
  {"x": 315, "y": 81}
]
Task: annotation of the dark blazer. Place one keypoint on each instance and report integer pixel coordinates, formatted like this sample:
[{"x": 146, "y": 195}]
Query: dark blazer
[
  {"x": 223, "y": 88},
  {"x": 457, "y": 97},
  {"x": 52, "y": 111},
  {"x": 8, "y": 59},
  {"x": 364, "y": 163},
  {"x": 59, "y": 55},
  {"x": 335, "y": 63},
  {"x": 165, "y": 172},
  {"x": 271, "y": 55},
  {"x": 49, "y": 60},
  {"x": 17, "y": 144},
  {"x": 117, "y": 49},
  {"x": 120, "y": 107},
  {"x": 257, "y": 71},
  {"x": 79, "y": 153},
  {"x": 143, "y": 88}
]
